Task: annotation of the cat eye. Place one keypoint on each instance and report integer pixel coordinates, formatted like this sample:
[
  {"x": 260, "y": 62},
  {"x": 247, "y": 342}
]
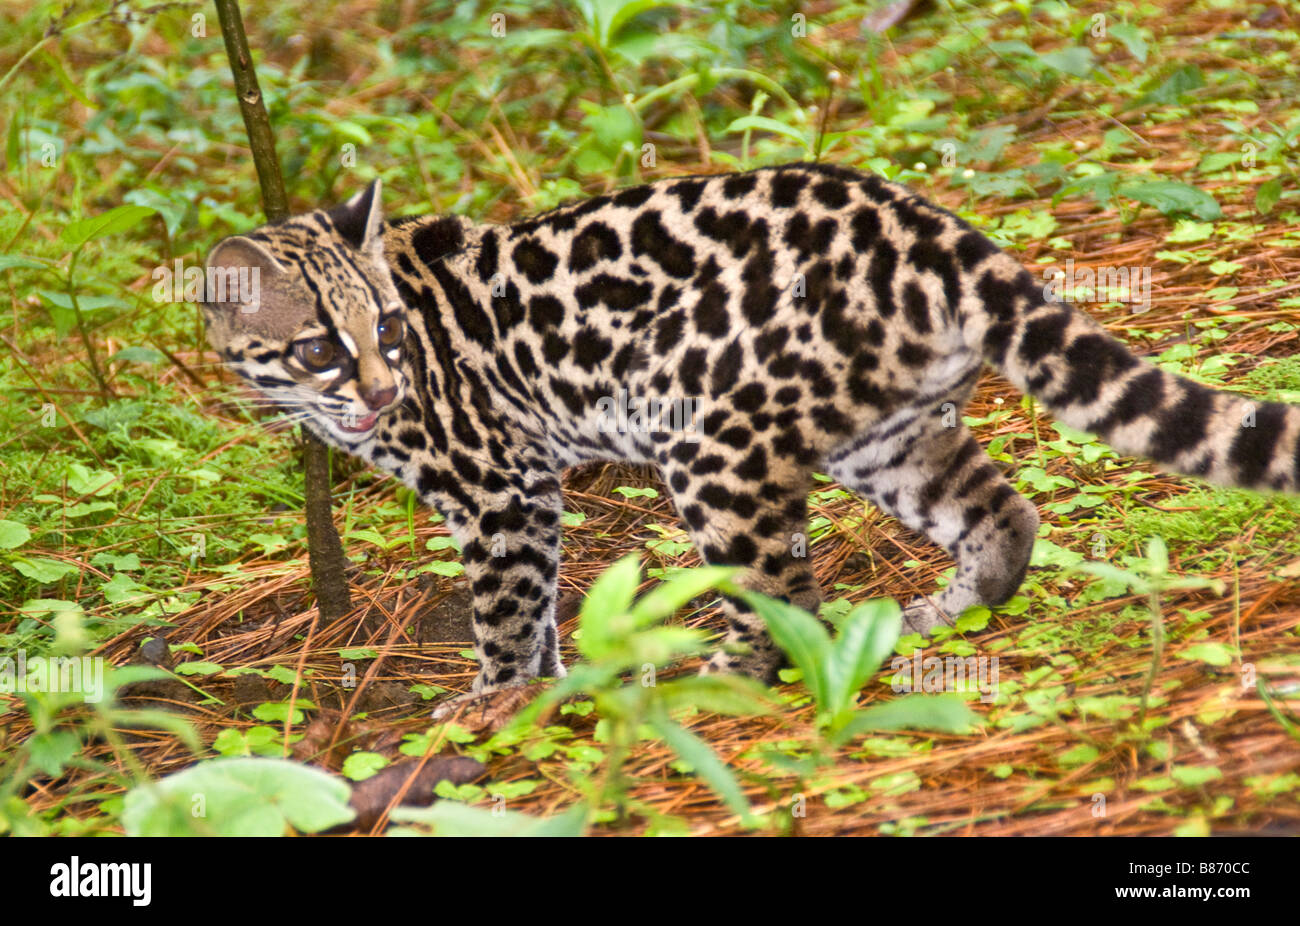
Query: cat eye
[
  {"x": 391, "y": 331},
  {"x": 316, "y": 354}
]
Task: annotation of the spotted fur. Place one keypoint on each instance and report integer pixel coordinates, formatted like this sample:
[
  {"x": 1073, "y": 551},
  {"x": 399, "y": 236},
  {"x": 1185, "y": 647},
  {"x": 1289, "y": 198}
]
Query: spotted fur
[{"x": 821, "y": 320}]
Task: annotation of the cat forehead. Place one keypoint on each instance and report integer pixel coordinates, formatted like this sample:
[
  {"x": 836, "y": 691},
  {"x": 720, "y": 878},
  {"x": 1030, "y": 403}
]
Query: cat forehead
[
  {"x": 301, "y": 236},
  {"x": 310, "y": 244}
]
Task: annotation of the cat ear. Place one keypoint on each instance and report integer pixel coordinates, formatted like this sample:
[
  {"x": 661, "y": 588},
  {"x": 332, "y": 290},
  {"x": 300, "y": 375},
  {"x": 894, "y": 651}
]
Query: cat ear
[
  {"x": 360, "y": 220},
  {"x": 245, "y": 280},
  {"x": 237, "y": 269}
]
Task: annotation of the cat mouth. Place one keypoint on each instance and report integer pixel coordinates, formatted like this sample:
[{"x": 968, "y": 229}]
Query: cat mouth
[{"x": 358, "y": 425}]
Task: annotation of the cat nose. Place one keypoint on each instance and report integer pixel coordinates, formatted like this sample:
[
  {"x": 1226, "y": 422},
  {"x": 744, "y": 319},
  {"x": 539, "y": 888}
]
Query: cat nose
[{"x": 376, "y": 398}]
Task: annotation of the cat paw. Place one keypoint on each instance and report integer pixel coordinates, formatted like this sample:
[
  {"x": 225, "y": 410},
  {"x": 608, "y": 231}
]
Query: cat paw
[
  {"x": 486, "y": 710},
  {"x": 922, "y": 616}
]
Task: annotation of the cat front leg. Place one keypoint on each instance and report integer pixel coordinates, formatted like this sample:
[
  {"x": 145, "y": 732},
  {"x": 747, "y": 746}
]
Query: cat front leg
[{"x": 511, "y": 552}]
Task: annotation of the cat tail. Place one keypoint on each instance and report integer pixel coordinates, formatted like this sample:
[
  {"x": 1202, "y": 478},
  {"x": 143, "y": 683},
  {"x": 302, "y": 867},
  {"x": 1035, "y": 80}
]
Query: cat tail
[{"x": 1093, "y": 382}]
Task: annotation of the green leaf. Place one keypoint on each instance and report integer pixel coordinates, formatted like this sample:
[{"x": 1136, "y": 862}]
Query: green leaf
[
  {"x": 866, "y": 638},
  {"x": 238, "y": 797},
  {"x": 633, "y": 492},
  {"x": 129, "y": 675},
  {"x": 230, "y": 742},
  {"x": 270, "y": 543},
  {"x": 609, "y": 598},
  {"x": 55, "y": 63},
  {"x": 427, "y": 692},
  {"x": 1216, "y": 161},
  {"x": 1173, "y": 198},
  {"x": 612, "y": 127},
  {"x": 158, "y": 720},
  {"x": 513, "y": 789},
  {"x": 14, "y": 141},
  {"x": 1157, "y": 556},
  {"x": 276, "y": 712},
  {"x": 449, "y": 568},
  {"x": 120, "y": 562},
  {"x": 1114, "y": 575},
  {"x": 8, "y": 261},
  {"x": 1076, "y": 61},
  {"x": 1267, "y": 195},
  {"x": 705, "y": 762},
  {"x": 664, "y": 599},
  {"x": 583, "y": 677},
  {"x": 50, "y": 609},
  {"x": 148, "y": 355},
  {"x": 347, "y": 130},
  {"x": 466, "y": 793},
  {"x": 1131, "y": 39},
  {"x": 945, "y": 713},
  {"x": 1210, "y": 653},
  {"x": 85, "y": 481},
  {"x": 86, "y": 302},
  {"x": 606, "y": 18},
  {"x": 448, "y": 818},
  {"x": 734, "y": 695},
  {"x": 51, "y": 751},
  {"x": 1186, "y": 231},
  {"x": 1190, "y": 776},
  {"x": 199, "y": 668},
  {"x": 801, "y": 636},
  {"x": 107, "y": 223},
  {"x": 172, "y": 206},
  {"x": 44, "y": 570},
  {"x": 1083, "y": 754},
  {"x": 362, "y": 765},
  {"x": 122, "y": 589},
  {"x": 1025, "y": 224},
  {"x": 369, "y": 535},
  {"x": 1181, "y": 82},
  {"x": 973, "y": 619},
  {"x": 13, "y": 535},
  {"x": 764, "y": 124}
]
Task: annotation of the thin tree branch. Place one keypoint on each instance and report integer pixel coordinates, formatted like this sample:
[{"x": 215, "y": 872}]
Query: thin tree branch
[{"x": 324, "y": 548}]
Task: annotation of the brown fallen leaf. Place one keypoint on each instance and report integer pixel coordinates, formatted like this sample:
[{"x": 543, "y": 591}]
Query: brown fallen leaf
[
  {"x": 316, "y": 739},
  {"x": 370, "y": 798}
]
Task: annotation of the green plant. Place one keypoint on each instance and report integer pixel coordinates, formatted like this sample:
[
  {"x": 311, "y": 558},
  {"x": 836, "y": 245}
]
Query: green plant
[
  {"x": 238, "y": 797},
  {"x": 1150, "y": 577},
  {"x": 64, "y": 722},
  {"x": 835, "y": 670},
  {"x": 620, "y": 635}
]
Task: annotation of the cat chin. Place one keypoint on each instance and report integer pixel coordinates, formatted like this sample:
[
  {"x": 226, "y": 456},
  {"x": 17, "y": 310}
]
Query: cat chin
[{"x": 329, "y": 431}]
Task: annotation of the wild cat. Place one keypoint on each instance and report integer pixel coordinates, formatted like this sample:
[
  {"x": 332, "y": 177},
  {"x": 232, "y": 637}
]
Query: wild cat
[{"x": 816, "y": 319}]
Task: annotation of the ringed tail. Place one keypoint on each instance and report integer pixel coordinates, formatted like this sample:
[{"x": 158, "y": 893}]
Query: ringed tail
[{"x": 1093, "y": 382}]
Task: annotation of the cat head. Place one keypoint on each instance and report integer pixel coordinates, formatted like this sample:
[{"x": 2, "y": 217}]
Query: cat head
[{"x": 305, "y": 311}]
